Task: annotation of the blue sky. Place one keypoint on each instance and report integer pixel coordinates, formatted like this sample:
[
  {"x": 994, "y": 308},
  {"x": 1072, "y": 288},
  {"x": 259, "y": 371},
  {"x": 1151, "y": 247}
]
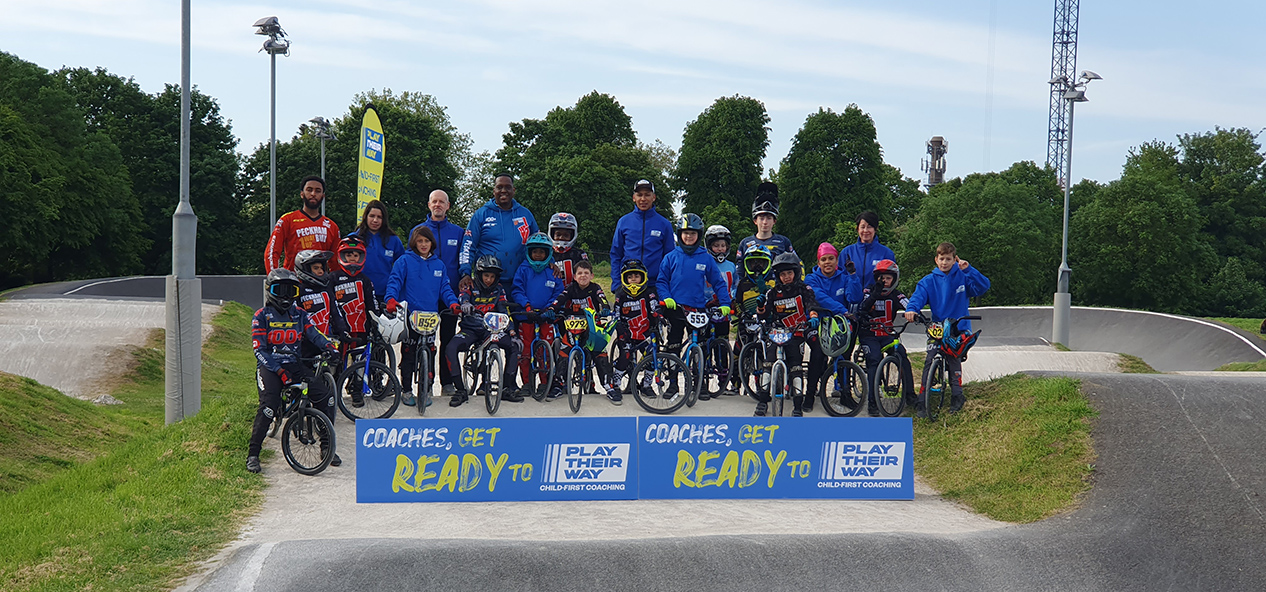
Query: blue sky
[{"x": 919, "y": 68}]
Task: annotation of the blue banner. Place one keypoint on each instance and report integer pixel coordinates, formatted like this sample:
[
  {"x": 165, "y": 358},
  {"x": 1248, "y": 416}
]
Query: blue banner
[
  {"x": 502, "y": 459},
  {"x": 758, "y": 457}
]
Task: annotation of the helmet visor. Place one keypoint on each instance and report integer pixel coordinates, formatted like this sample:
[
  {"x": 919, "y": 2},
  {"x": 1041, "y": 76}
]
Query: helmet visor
[{"x": 284, "y": 290}]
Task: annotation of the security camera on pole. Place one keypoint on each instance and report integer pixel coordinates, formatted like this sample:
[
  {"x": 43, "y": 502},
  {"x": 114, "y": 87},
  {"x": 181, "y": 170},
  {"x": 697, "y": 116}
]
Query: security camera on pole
[
  {"x": 1074, "y": 92},
  {"x": 183, "y": 372}
]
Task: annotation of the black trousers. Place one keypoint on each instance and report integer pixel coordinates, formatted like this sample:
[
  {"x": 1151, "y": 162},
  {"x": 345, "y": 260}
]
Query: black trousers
[{"x": 270, "y": 386}]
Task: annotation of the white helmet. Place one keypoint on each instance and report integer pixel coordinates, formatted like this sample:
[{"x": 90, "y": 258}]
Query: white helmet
[{"x": 392, "y": 328}]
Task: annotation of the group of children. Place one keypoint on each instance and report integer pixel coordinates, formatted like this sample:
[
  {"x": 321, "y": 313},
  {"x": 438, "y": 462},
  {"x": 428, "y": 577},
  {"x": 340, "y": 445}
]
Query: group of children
[{"x": 556, "y": 281}]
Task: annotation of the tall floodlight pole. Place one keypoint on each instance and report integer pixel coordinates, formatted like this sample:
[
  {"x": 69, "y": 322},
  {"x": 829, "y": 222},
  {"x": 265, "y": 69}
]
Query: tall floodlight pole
[
  {"x": 183, "y": 366},
  {"x": 276, "y": 44},
  {"x": 1074, "y": 92},
  {"x": 322, "y": 129}
]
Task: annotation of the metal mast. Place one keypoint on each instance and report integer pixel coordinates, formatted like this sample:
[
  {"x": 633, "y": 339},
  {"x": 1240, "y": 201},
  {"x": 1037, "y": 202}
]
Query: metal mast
[{"x": 1063, "y": 67}]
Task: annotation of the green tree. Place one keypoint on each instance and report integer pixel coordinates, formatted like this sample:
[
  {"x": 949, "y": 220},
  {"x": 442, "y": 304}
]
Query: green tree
[
  {"x": 721, "y": 154},
  {"x": 86, "y": 222},
  {"x": 729, "y": 216},
  {"x": 1139, "y": 244},
  {"x": 1224, "y": 174},
  {"x": 1004, "y": 224},
  {"x": 1232, "y": 294},
  {"x": 907, "y": 196},
  {"x": 582, "y": 159},
  {"x": 833, "y": 172},
  {"x": 423, "y": 152}
]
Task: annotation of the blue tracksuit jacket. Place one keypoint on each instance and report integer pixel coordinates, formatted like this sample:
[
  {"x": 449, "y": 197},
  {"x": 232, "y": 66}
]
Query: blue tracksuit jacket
[
  {"x": 947, "y": 293},
  {"x": 379, "y": 258},
  {"x": 835, "y": 292},
  {"x": 420, "y": 282},
  {"x": 494, "y": 231},
  {"x": 647, "y": 236},
  {"x": 537, "y": 289},
  {"x": 683, "y": 277},
  {"x": 448, "y": 246},
  {"x": 864, "y": 256}
]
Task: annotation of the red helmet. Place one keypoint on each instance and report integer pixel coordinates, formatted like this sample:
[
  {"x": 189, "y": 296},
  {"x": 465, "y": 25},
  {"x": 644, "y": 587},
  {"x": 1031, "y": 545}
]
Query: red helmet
[
  {"x": 345, "y": 248},
  {"x": 888, "y": 267}
]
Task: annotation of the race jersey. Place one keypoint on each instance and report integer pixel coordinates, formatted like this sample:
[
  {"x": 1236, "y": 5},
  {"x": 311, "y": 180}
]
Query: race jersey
[
  {"x": 484, "y": 300},
  {"x": 777, "y": 245},
  {"x": 318, "y": 304},
  {"x": 296, "y": 232},
  {"x": 276, "y": 336},
  {"x": 790, "y": 305},
  {"x": 881, "y": 309},
  {"x": 566, "y": 261},
  {"x": 729, "y": 272},
  {"x": 636, "y": 312},
  {"x": 575, "y": 300},
  {"x": 353, "y": 296}
]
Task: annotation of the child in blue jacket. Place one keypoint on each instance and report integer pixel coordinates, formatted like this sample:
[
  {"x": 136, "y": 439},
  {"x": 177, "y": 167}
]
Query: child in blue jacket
[
  {"x": 946, "y": 291},
  {"x": 683, "y": 277},
  {"x": 421, "y": 279},
  {"x": 534, "y": 289}
]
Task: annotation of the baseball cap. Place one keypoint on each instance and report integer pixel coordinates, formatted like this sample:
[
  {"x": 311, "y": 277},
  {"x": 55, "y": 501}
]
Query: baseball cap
[{"x": 643, "y": 183}]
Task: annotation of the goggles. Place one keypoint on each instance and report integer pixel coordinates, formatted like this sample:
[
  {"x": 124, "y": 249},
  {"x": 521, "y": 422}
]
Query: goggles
[{"x": 284, "y": 290}]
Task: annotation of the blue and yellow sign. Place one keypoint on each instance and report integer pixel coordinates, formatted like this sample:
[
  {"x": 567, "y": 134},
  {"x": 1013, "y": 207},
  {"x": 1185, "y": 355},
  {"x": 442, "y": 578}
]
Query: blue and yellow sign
[
  {"x": 758, "y": 457},
  {"x": 505, "y": 459},
  {"x": 372, "y": 148}
]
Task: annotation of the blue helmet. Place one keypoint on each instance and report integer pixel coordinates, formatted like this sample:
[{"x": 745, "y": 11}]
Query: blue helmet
[{"x": 539, "y": 241}]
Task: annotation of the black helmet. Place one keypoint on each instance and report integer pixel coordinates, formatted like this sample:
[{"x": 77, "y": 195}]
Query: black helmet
[
  {"x": 281, "y": 288},
  {"x": 489, "y": 263},
  {"x": 633, "y": 265},
  {"x": 766, "y": 201},
  {"x": 788, "y": 260},
  {"x": 690, "y": 222},
  {"x": 303, "y": 266}
]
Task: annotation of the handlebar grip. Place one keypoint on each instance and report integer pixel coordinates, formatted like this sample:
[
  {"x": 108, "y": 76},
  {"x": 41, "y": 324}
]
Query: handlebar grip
[{"x": 971, "y": 318}]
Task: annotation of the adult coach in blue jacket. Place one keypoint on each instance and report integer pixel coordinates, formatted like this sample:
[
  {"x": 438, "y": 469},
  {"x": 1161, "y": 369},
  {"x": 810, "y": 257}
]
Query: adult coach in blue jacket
[
  {"x": 642, "y": 234},
  {"x": 448, "y": 247},
  {"x": 860, "y": 257},
  {"x": 500, "y": 228}
]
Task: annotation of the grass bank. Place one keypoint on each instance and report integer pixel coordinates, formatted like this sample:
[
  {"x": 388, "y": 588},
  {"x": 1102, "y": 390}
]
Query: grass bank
[
  {"x": 1129, "y": 364},
  {"x": 1019, "y": 451},
  {"x": 133, "y": 504},
  {"x": 1258, "y": 366}
]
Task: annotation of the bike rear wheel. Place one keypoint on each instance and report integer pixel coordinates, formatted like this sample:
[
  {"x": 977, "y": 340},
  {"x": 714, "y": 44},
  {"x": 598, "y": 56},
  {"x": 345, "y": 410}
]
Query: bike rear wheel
[
  {"x": 659, "y": 383},
  {"x": 379, "y": 394},
  {"x": 542, "y": 367},
  {"x": 843, "y": 388},
  {"x": 576, "y": 378},
  {"x": 424, "y": 378},
  {"x": 889, "y": 388},
  {"x": 494, "y": 365},
  {"x": 694, "y": 363},
  {"x": 720, "y": 361},
  {"x": 935, "y": 390},
  {"x": 307, "y": 441}
]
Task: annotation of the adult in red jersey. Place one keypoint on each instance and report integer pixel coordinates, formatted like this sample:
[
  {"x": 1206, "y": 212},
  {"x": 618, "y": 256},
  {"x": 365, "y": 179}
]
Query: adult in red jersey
[{"x": 302, "y": 229}]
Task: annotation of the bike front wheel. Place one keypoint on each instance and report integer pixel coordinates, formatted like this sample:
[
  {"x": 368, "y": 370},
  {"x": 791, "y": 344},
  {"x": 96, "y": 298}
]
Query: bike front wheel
[
  {"x": 889, "y": 388},
  {"x": 542, "y": 367},
  {"x": 720, "y": 363},
  {"x": 694, "y": 363},
  {"x": 424, "y": 378},
  {"x": 307, "y": 441},
  {"x": 778, "y": 387},
  {"x": 494, "y": 365},
  {"x": 935, "y": 391},
  {"x": 751, "y": 369},
  {"x": 576, "y": 379},
  {"x": 843, "y": 388},
  {"x": 372, "y": 393},
  {"x": 659, "y": 383}
]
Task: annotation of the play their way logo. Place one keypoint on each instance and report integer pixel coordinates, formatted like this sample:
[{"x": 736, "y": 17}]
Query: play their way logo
[{"x": 586, "y": 463}]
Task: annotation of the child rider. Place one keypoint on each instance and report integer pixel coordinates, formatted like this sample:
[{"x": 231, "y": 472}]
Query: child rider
[
  {"x": 484, "y": 296},
  {"x": 879, "y": 306},
  {"x": 534, "y": 289},
  {"x": 789, "y": 304}
]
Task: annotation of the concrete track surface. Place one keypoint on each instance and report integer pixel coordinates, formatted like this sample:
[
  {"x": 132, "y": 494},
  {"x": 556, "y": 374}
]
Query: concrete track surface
[{"x": 1177, "y": 504}]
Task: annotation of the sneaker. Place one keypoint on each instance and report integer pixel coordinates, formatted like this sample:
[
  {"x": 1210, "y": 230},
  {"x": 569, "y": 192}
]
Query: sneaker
[
  {"x": 448, "y": 390},
  {"x": 614, "y": 396},
  {"x": 554, "y": 393},
  {"x": 358, "y": 399},
  {"x": 807, "y": 406},
  {"x": 797, "y": 413},
  {"x": 921, "y": 410},
  {"x": 252, "y": 464},
  {"x": 512, "y": 395},
  {"x": 761, "y": 406},
  {"x": 459, "y": 397},
  {"x": 336, "y": 461},
  {"x": 873, "y": 411},
  {"x": 956, "y": 403},
  {"x": 406, "y": 398},
  {"x": 703, "y": 394}
]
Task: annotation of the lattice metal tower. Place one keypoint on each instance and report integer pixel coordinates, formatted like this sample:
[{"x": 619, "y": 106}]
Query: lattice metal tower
[
  {"x": 934, "y": 164},
  {"x": 1063, "y": 67}
]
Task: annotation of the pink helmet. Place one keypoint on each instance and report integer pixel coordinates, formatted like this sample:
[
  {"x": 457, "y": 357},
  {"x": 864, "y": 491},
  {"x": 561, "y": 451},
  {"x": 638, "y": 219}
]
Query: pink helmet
[{"x": 827, "y": 249}]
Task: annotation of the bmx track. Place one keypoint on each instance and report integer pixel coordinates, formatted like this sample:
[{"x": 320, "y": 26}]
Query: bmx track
[{"x": 1177, "y": 501}]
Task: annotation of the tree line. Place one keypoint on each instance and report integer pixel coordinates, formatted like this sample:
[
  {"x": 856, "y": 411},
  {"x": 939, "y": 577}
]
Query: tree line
[{"x": 89, "y": 179}]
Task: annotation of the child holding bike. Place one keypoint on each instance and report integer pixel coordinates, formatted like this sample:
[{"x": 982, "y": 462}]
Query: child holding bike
[
  {"x": 754, "y": 281},
  {"x": 877, "y": 310},
  {"x": 534, "y": 289},
  {"x": 636, "y": 308},
  {"x": 946, "y": 290},
  {"x": 420, "y": 278},
  {"x": 484, "y": 296},
  {"x": 278, "y": 331},
  {"x": 353, "y": 296},
  {"x": 789, "y": 303},
  {"x": 582, "y": 293},
  {"x": 835, "y": 291},
  {"x": 564, "y": 229},
  {"x": 683, "y": 278}
]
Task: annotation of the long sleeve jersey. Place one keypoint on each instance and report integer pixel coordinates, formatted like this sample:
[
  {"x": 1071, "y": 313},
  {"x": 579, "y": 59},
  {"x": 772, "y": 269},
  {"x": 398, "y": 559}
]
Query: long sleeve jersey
[
  {"x": 636, "y": 311},
  {"x": 881, "y": 309},
  {"x": 296, "y": 232},
  {"x": 353, "y": 298},
  {"x": 276, "y": 336},
  {"x": 789, "y": 304},
  {"x": 575, "y": 299},
  {"x": 484, "y": 300}
]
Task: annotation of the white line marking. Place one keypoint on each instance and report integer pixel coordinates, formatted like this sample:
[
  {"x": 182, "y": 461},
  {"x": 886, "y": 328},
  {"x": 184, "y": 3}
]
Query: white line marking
[
  {"x": 102, "y": 282},
  {"x": 254, "y": 566},
  {"x": 1159, "y": 314}
]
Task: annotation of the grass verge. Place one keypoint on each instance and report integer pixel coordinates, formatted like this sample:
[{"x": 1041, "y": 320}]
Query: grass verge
[
  {"x": 1258, "y": 366},
  {"x": 1020, "y": 450},
  {"x": 1251, "y": 325},
  {"x": 1129, "y": 364},
  {"x": 147, "y": 507}
]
